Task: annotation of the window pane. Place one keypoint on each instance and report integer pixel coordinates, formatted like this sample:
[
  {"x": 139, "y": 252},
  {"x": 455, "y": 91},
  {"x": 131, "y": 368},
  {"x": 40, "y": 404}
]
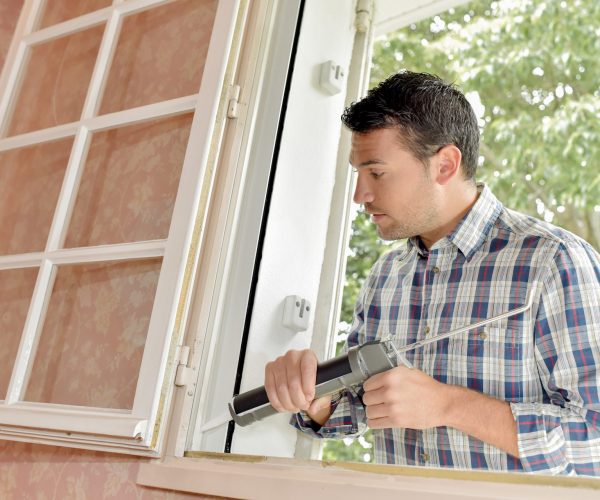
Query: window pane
[
  {"x": 16, "y": 289},
  {"x": 129, "y": 183},
  {"x": 91, "y": 345},
  {"x": 9, "y": 15},
  {"x": 56, "y": 81},
  {"x": 30, "y": 182},
  {"x": 160, "y": 54},
  {"x": 57, "y": 11}
]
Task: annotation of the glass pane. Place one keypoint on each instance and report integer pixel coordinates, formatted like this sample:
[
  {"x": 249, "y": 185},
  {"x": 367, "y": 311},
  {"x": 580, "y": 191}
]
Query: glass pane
[
  {"x": 16, "y": 289},
  {"x": 129, "y": 183},
  {"x": 56, "y": 81},
  {"x": 57, "y": 11},
  {"x": 9, "y": 15},
  {"x": 30, "y": 182},
  {"x": 91, "y": 345},
  {"x": 160, "y": 54}
]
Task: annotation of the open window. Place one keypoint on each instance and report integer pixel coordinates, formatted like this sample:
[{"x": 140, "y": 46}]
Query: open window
[{"x": 111, "y": 120}]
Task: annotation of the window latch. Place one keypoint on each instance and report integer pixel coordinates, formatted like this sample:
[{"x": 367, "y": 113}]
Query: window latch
[
  {"x": 183, "y": 376},
  {"x": 234, "y": 101}
]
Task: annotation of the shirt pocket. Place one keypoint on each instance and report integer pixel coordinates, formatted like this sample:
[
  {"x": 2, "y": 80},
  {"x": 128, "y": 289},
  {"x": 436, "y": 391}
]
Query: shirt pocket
[{"x": 489, "y": 360}]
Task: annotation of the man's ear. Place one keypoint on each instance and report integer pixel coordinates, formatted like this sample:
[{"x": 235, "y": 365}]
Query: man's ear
[{"x": 447, "y": 162}]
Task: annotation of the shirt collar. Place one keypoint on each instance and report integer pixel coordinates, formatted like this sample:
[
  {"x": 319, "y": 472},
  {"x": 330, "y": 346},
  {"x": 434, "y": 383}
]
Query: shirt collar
[{"x": 472, "y": 230}]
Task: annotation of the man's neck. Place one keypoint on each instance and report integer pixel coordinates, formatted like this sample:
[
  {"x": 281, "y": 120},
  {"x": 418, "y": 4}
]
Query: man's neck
[{"x": 459, "y": 204}]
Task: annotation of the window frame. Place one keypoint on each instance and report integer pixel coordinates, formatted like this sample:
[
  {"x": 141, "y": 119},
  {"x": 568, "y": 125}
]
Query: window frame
[
  {"x": 274, "y": 478},
  {"x": 140, "y": 431},
  {"x": 218, "y": 318}
]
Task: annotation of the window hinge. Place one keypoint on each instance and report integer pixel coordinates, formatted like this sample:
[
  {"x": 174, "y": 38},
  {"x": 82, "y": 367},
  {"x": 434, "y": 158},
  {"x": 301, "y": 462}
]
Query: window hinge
[
  {"x": 234, "y": 96},
  {"x": 364, "y": 15},
  {"x": 183, "y": 376}
]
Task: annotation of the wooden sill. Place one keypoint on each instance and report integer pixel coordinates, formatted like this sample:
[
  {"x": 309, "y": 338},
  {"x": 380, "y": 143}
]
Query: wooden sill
[{"x": 246, "y": 476}]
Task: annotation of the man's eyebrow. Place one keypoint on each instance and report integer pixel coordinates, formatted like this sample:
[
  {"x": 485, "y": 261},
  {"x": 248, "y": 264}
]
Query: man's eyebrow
[{"x": 368, "y": 163}]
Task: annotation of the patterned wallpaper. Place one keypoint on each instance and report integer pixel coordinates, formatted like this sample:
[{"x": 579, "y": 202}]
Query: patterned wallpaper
[
  {"x": 9, "y": 15},
  {"x": 38, "y": 472}
]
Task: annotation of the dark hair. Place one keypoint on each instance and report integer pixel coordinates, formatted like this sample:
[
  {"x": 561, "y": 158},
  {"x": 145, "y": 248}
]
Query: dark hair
[{"x": 428, "y": 112}]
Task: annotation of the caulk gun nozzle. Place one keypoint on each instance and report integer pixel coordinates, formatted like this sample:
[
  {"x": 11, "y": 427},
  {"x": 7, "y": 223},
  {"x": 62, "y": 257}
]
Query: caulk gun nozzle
[{"x": 216, "y": 422}]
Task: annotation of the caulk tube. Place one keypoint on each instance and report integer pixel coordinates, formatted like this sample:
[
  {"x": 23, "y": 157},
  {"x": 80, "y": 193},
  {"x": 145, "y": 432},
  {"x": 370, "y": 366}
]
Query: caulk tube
[{"x": 350, "y": 369}]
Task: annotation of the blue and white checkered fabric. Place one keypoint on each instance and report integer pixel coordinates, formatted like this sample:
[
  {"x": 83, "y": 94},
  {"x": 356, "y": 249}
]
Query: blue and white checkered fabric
[{"x": 545, "y": 361}]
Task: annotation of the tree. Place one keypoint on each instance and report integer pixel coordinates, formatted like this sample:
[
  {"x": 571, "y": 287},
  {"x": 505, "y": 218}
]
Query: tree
[
  {"x": 534, "y": 68},
  {"x": 531, "y": 70}
]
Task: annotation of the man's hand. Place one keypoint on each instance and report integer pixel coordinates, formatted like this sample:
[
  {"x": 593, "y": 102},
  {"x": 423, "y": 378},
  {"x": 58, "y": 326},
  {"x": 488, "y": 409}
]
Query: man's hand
[
  {"x": 409, "y": 398},
  {"x": 405, "y": 397},
  {"x": 290, "y": 384}
]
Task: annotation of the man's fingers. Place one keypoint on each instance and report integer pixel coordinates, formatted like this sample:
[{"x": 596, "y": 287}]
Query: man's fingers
[
  {"x": 294, "y": 384},
  {"x": 308, "y": 372},
  {"x": 377, "y": 411},
  {"x": 283, "y": 392},
  {"x": 271, "y": 389},
  {"x": 379, "y": 423},
  {"x": 290, "y": 380},
  {"x": 374, "y": 382},
  {"x": 376, "y": 396}
]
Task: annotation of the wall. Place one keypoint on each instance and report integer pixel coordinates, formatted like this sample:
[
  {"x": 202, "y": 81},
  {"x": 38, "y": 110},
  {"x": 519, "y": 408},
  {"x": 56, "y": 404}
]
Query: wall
[
  {"x": 40, "y": 472},
  {"x": 9, "y": 15}
]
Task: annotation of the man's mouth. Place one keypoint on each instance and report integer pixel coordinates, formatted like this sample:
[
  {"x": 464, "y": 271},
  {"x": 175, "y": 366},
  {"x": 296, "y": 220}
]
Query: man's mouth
[{"x": 376, "y": 217}]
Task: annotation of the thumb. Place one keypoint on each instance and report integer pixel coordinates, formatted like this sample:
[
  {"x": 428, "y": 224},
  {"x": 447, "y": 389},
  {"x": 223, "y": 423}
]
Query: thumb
[{"x": 319, "y": 404}]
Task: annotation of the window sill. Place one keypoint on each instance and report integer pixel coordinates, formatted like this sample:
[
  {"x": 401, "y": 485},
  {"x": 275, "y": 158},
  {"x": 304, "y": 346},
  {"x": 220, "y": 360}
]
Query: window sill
[{"x": 244, "y": 476}]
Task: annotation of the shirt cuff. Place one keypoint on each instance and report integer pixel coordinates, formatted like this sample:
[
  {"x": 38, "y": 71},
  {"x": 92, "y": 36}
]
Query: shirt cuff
[
  {"x": 540, "y": 438},
  {"x": 347, "y": 418}
]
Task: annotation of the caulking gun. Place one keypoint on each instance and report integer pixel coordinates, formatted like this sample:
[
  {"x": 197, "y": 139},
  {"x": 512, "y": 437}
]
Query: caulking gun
[{"x": 351, "y": 369}]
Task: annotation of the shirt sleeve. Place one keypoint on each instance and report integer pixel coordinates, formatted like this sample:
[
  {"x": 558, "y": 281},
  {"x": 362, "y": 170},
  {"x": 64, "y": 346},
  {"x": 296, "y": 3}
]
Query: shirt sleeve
[{"x": 561, "y": 435}]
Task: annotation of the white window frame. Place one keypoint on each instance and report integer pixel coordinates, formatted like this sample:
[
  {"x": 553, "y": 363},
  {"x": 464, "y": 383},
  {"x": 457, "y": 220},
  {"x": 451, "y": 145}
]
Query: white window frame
[
  {"x": 141, "y": 430},
  {"x": 217, "y": 326}
]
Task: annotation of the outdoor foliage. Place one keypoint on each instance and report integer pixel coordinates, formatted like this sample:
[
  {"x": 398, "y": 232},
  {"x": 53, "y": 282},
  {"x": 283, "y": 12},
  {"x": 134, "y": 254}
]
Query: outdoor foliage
[{"x": 531, "y": 70}]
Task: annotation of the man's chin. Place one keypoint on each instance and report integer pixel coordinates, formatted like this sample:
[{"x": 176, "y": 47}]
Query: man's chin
[{"x": 387, "y": 235}]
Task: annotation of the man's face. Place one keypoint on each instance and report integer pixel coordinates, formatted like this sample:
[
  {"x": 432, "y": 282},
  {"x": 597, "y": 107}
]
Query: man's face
[{"x": 394, "y": 187}]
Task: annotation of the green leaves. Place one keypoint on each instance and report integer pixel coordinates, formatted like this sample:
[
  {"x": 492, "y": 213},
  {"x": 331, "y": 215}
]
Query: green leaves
[{"x": 535, "y": 68}]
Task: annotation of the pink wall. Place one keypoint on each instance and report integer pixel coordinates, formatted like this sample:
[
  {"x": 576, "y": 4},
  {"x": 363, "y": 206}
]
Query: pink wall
[
  {"x": 46, "y": 472},
  {"x": 145, "y": 69}
]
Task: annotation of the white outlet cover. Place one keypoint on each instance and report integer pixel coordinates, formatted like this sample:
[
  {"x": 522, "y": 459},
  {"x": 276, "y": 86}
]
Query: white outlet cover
[{"x": 296, "y": 313}]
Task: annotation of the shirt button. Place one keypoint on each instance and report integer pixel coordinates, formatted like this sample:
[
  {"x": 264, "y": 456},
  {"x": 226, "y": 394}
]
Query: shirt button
[
  {"x": 482, "y": 335},
  {"x": 427, "y": 329},
  {"x": 425, "y": 457},
  {"x": 436, "y": 269}
]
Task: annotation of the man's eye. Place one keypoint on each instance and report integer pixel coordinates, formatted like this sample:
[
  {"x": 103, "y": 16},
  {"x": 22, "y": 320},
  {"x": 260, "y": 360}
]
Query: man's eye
[{"x": 376, "y": 175}]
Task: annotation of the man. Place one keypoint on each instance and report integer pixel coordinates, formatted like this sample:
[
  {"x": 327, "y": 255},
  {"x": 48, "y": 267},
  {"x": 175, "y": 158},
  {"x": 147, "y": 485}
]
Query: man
[{"x": 521, "y": 394}]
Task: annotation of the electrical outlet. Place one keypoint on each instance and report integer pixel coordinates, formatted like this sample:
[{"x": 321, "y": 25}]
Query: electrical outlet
[
  {"x": 296, "y": 313},
  {"x": 331, "y": 78}
]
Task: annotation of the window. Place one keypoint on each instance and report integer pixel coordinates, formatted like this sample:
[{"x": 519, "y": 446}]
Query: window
[{"x": 111, "y": 116}]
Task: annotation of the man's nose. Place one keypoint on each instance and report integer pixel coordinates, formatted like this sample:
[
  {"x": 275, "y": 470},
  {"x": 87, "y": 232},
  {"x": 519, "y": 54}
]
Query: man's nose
[{"x": 362, "y": 192}]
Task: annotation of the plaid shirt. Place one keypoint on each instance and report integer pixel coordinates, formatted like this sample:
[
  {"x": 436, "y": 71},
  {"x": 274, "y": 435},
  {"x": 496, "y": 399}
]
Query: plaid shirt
[{"x": 545, "y": 361}]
